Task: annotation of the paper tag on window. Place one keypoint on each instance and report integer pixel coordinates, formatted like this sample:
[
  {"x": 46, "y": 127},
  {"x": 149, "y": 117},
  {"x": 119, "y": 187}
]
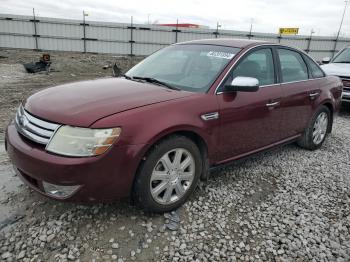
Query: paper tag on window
[{"x": 221, "y": 55}]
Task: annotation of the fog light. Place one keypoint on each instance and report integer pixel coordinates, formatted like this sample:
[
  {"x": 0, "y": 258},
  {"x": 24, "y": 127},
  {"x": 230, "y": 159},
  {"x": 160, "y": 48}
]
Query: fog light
[{"x": 59, "y": 191}]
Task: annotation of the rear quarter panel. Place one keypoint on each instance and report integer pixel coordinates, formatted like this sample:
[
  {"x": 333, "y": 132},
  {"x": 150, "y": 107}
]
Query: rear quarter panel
[{"x": 331, "y": 89}]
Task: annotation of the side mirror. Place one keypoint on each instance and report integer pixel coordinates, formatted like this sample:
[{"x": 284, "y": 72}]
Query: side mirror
[
  {"x": 326, "y": 60},
  {"x": 243, "y": 84}
]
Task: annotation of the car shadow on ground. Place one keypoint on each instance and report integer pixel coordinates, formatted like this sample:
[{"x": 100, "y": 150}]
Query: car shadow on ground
[{"x": 345, "y": 110}]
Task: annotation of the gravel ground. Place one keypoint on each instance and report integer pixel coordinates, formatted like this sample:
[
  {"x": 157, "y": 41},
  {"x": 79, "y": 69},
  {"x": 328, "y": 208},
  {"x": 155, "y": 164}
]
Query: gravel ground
[{"x": 288, "y": 204}]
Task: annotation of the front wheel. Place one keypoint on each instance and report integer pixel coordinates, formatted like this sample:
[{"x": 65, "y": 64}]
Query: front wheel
[
  {"x": 316, "y": 132},
  {"x": 168, "y": 175}
]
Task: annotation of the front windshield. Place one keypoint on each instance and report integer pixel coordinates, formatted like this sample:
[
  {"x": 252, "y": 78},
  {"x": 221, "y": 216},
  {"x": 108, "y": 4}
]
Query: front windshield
[
  {"x": 343, "y": 56},
  {"x": 188, "y": 67}
]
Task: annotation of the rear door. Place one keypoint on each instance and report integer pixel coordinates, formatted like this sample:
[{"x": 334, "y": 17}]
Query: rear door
[
  {"x": 299, "y": 91},
  {"x": 250, "y": 120}
]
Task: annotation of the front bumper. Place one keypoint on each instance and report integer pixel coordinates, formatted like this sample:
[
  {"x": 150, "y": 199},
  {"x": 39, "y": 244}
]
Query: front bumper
[{"x": 100, "y": 179}]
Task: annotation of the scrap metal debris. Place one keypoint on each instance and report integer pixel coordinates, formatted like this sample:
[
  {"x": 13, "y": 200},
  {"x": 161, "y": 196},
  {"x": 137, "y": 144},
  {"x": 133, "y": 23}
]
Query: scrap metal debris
[
  {"x": 43, "y": 65},
  {"x": 172, "y": 221},
  {"x": 116, "y": 71}
]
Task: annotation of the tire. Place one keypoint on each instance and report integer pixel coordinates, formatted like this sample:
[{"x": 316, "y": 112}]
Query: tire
[
  {"x": 308, "y": 139},
  {"x": 158, "y": 183}
]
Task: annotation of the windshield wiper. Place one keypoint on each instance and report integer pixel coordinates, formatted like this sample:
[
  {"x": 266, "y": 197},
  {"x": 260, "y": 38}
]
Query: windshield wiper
[
  {"x": 131, "y": 78},
  {"x": 155, "y": 81},
  {"x": 127, "y": 77},
  {"x": 343, "y": 62}
]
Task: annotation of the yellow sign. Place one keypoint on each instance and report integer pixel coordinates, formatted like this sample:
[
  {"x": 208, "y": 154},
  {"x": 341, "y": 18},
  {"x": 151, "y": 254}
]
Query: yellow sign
[{"x": 289, "y": 31}]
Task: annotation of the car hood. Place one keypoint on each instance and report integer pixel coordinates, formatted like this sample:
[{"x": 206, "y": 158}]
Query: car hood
[
  {"x": 338, "y": 69},
  {"x": 83, "y": 103}
]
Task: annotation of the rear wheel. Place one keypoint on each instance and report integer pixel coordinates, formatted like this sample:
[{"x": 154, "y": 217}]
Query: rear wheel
[
  {"x": 317, "y": 130},
  {"x": 168, "y": 176}
]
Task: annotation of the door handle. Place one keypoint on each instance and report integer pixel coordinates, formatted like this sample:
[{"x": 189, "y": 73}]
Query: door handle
[
  {"x": 314, "y": 95},
  {"x": 273, "y": 104}
]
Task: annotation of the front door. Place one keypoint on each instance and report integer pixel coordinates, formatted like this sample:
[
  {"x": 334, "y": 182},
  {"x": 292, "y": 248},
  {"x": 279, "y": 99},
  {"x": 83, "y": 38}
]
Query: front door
[{"x": 250, "y": 121}]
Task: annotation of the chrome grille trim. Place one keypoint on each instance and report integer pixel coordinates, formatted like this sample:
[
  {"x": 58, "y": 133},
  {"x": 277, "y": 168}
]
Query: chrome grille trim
[
  {"x": 39, "y": 122},
  {"x": 346, "y": 83},
  {"x": 35, "y": 129}
]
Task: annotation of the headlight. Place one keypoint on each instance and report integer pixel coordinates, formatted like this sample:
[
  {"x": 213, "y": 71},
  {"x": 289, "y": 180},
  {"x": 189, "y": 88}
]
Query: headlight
[{"x": 76, "y": 141}]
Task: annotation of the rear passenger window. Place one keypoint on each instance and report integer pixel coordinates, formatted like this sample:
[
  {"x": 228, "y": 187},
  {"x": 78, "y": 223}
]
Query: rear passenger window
[
  {"x": 316, "y": 71},
  {"x": 293, "y": 66}
]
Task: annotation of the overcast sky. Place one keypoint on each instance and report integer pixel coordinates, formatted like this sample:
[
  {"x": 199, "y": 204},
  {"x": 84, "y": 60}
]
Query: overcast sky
[{"x": 268, "y": 15}]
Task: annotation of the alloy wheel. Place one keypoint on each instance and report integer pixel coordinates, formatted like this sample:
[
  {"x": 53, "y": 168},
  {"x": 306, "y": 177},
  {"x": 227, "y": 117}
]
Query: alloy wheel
[
  {"x": 172, "y": 176},
  {"x": 320, "y": 128}
]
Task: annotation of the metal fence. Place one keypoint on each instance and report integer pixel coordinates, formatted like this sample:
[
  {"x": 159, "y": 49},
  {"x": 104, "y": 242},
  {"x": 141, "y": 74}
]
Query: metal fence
[{"x": 42, "y": 33}]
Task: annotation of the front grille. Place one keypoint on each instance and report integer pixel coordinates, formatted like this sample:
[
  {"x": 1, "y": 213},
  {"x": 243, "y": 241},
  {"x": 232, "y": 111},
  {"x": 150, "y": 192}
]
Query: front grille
[
  {"x": 346, "y": 82},
  {"x": 34, "y": 128}
]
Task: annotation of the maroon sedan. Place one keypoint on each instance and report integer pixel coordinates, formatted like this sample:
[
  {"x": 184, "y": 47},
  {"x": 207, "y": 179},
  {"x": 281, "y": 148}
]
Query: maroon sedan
[{"x": 153, "y": 133}]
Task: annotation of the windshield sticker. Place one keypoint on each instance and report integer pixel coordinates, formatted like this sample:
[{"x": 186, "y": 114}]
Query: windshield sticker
[{"x": 221, "y": 55}]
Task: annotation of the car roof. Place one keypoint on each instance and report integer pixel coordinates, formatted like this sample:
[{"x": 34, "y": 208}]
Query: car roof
[{"x": 231, "y": 42}]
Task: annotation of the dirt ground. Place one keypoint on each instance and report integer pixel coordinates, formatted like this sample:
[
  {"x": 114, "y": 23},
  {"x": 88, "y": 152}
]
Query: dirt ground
[
  {"x": 285, "y": 205},
  {"x": 16, "y": 84}
]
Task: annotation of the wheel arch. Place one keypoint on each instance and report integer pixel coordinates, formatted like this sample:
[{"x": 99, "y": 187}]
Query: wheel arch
[
  {"x": 201, "y": 142},
  {"x": 198, "y": 139}
]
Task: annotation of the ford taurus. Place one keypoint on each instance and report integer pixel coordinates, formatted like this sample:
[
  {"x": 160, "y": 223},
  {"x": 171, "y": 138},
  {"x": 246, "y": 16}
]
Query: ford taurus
[{"x": 153, "y": 133}]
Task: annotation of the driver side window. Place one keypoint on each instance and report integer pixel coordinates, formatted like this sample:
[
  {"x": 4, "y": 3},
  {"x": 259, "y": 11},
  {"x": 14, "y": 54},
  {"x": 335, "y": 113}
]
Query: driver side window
[{"x": 258, "y": 64}]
